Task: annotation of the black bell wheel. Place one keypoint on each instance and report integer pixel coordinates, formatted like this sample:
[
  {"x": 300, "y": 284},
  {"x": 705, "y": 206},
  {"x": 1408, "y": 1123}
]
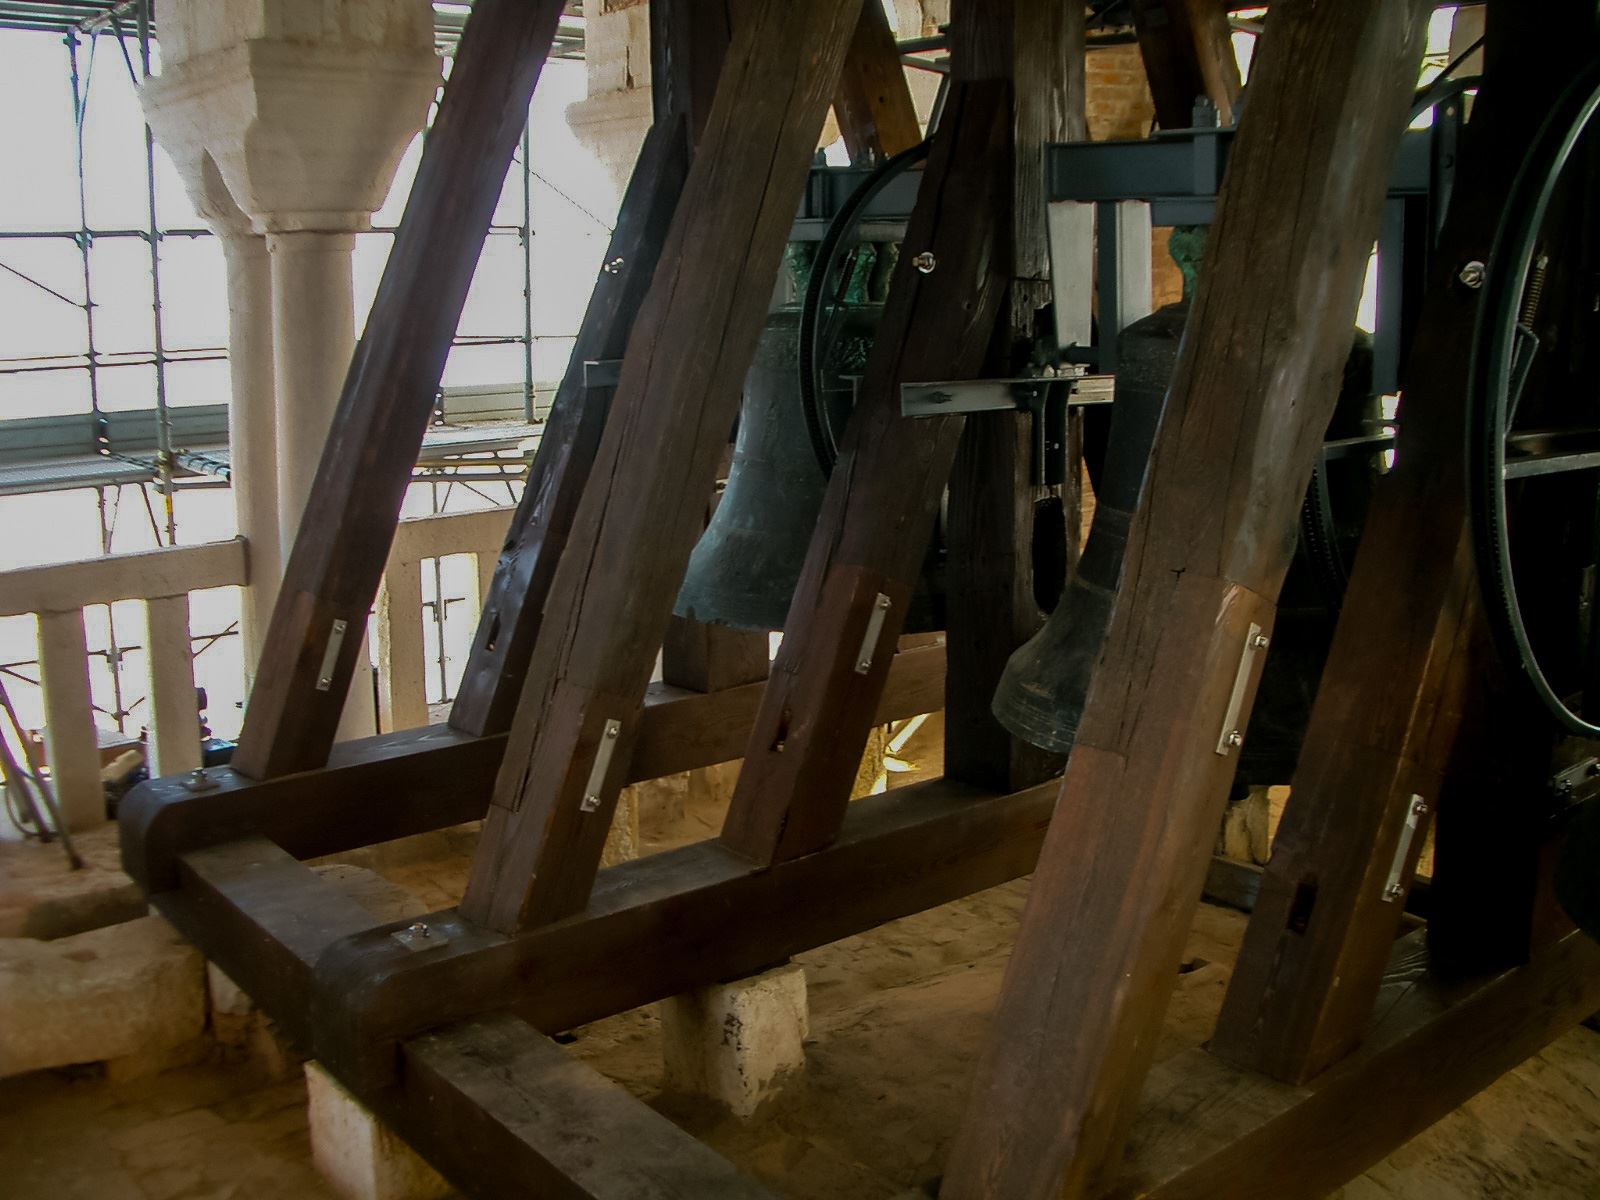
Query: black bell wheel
[{"x": 1504, "y": 458}]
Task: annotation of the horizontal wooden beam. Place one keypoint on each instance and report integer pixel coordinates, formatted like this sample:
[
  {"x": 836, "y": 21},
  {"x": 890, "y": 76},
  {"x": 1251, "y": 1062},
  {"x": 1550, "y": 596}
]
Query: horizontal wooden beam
[
  {"x": 417, "y": 780},
  {"x": 143, "y": 575},
  {"x": 508, "y": 1115},
  {"x": 1206, "y": 1128}
]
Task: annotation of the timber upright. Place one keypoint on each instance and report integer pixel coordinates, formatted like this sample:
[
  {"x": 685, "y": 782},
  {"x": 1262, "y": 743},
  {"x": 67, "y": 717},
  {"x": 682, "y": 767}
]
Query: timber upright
[{"x": 444, "y": 1025}]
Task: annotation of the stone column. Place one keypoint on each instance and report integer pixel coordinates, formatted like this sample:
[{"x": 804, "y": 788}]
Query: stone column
[{"x": 298, "y": 112}]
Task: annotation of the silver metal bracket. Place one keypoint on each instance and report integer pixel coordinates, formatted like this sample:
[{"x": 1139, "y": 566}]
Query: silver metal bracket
[
  {"x": 602, "y": 764},
  {"x": 1393, "y": 888},
  {"x": 874, "y": 631},
  {"x": 1232, "y": 736},
  {"x": 330, "y": 655},
  {"x": 418, "y": 937},
  {"x": 599, "y": 373},
  {"x": 1000, "y": 395}
]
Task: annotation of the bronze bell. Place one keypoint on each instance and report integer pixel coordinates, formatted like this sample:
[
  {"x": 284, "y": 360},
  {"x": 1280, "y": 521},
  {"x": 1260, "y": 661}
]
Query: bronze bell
[
  {"x": 1042, "y": 691},
  {"x": 744, "y": 568}
]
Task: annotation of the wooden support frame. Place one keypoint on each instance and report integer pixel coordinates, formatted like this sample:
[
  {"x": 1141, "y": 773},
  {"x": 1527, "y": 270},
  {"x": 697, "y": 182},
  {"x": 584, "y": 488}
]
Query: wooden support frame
[
  {"x": 1187, "y": 47},
  {"x": 1112, "y": 901}
]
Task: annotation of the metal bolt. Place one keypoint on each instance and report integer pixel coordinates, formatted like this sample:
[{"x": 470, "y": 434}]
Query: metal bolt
[
  {"x": 1419, "y": 805},
  {"x": 1473, "y": 274},
  {"x": 419, "y": 929},
  {"x": 883, "y": 603},
  {"x": 1235, "y": 738},
  {"x": 612, "y": 730},
  {"x": 1392, "y": 892},
  {"x": 198, "y": 781},
  {"x": 1261, "y": 641},
  {"x": 614, "y": 267},
  {"x": 925, "y": 262}
]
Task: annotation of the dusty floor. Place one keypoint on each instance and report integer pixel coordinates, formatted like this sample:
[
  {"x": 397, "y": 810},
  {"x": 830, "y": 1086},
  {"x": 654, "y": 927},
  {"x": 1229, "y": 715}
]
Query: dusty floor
[{"x": 897, "y": 1016}]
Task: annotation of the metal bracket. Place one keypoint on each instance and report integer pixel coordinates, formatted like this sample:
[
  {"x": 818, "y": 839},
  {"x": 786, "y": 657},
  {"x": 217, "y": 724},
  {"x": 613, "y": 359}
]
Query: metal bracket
[
  {"x": 418, "y": 936},
  {"x": 1232, "y": 737},
  {"x": 869, "y": 639},
  {"x": 602, "y": 764},
  {"x": 999, "y": 395},
  {"x": 1393, "y": 888},
  {"x": 330, "y": 655},
  {"x": 602, "y": 373}
]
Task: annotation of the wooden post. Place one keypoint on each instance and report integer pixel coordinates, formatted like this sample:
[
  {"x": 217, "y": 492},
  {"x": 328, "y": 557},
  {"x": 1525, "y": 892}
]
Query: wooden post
[
  {"x": 1410, "y": 662},
  {"x": 1187, "y": 49},
  {"x": 877, "y": 117},
  {"x": 332, "y": 575},
  {"x": 70, "y": 741},
  {"x": 991, "y": 603},
  {"x": 849, "y": 605},
  {"x": 1127, "y": 850},
  {"x": 639, "y": 516},
  {"x": 174, "y": 717},
  {"x": 402, "y": 669}
]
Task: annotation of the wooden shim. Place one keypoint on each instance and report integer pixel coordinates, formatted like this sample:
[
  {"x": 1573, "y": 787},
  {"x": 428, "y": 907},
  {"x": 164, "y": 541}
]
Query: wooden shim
[
  {"x": 877, "y": 118},
  {"x": 1103, "y": 930},
  {"x": 1410, "y": 660},
  {"x": 641, "y": 513},
  {"x": 1187, "y": 49},
  {"x": 335, "y": 567},
  {"x": 508, "y": 1115},
  {"x": 661, "y": 925},
  {"x": 1207, "y": 1129},
  {"x": 514, "y": 609},
  {"x": 418, "y": 780},
  {"x": 708, "y": 658},
  {"x": 881, "y": 501}
]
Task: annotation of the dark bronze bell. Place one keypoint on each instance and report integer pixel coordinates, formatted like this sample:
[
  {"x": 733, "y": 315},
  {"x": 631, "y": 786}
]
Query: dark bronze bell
[
  {"x": 744, "y": 568},
  {"x": 1042, "y": 691}
]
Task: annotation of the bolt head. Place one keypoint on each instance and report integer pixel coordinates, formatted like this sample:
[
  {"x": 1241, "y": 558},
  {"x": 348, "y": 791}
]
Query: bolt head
[
  {"x": 614, "y": 266},
  {"x": 1473, "y": 274},
  {"x": 1235, "y": 738},
  {"x": 925, "y": 262},
  {"x": 1261, "y": 641},
  {"x": 419, "y": 929}
]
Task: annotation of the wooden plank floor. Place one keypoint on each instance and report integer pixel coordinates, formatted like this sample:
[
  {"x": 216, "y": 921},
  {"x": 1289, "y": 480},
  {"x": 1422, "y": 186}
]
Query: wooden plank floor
[{"x": 897, "y": 1018}]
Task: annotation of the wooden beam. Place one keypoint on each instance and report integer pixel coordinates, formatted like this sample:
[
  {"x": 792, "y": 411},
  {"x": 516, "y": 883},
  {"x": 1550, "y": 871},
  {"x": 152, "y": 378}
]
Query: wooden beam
[
  {"x": 333, "y": 572},
  {"x": 1410, "y": 661},
  {"x": 390, "y": 786},
  {"x": 514, "y": 609},
  {"x": 1187, "y": 49},
  {"x": 142, "y": 575},
  {"x": 1103, "y": 930},
  {"x": 641, "y": 513},
  {"x": 991, "y": 602},
  {"x": 882, "y": 498},
  {"x": 1208, "y": 1129},
  {"x": 507, "y": 1114},
  {"x": 873, "y": 104},
  {"x": 688, "y": 43}
]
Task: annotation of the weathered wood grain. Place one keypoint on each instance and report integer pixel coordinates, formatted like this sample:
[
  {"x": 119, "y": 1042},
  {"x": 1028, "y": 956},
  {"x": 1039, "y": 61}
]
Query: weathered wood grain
[
  {"x": 1410, "y": 663},
  {"x": 337, "y": 562},
  {"x": 636, "y": 524},
  {"x": 1126, "y": 854}
]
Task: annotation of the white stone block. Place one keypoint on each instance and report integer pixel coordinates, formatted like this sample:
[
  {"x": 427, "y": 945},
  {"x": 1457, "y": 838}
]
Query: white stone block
[
  {"x": 736, "y": 1043},
  {"x": 359, "y": 1156},
  {"x": 129, "y": 990}
]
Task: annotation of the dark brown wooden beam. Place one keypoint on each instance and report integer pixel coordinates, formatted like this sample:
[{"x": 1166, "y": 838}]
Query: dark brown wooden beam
[
  {"x": 991, "y": 602},
  {"x": 1410, "y": 683},
  {"x": 338, "y": 558},
  {"x": 1207, "y": 1128},
  {"x": 514, "y": 609},
  {"x": 688, "y": 41},
  {"x": 1187, "y": 49},
  {"x": 506, "y": 1114},
  {"x": 398, "y": 784},
  {"x": 1111, "y": 904},
  {"x": 641, "y": 513},
  {"x": 882, "y": 498}
]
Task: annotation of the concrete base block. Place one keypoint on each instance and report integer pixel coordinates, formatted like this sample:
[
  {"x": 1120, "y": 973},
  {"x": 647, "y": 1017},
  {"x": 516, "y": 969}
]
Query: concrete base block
[
  {"x": 736, "y": 1043},
  {"x": 130, "y": 991},
  {"x": 361, "y": 1158}
]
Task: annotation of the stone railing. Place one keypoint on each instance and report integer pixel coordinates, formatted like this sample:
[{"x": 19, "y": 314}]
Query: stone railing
[{"x": 163, "y": 580}]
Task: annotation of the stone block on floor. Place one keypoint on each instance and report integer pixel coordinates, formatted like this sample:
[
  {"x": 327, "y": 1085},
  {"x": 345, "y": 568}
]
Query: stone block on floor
[
  {"x": 737, "y": 1043},
  {"x": 129, "y": 991},
  {"x": 359, "y": 1156}
]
